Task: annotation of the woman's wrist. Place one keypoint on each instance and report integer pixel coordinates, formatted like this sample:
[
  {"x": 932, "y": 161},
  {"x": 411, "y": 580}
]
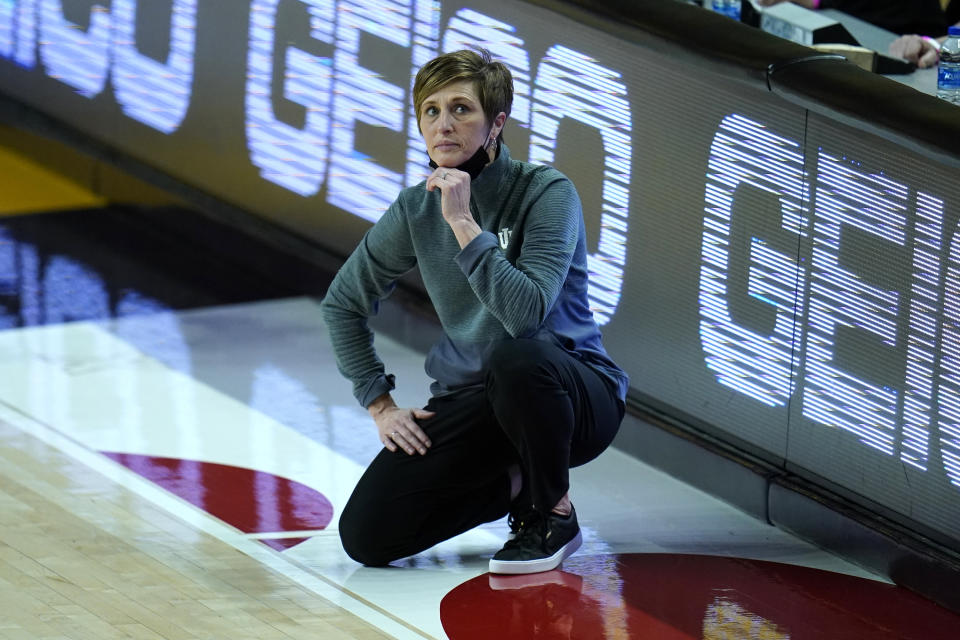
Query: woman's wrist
[
  {"x": 933, "y": 42},
  {"x": 465, "y": 229},
  {"x": 381, "y": 404}
]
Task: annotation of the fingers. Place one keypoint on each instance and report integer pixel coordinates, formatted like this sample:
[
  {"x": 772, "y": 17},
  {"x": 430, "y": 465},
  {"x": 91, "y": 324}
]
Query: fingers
[
  {"x": 411, "y": 439},
  {"x": 909, "y": 47},
  {"x": 422, "y": 439},
  {"x": 440, "y": 178},
  {"x": 913, "y": 50},
  {"x": 446, "y": 178},
  {"x": 929, "y": 58},
  {"x": 407, "y": 441},
  {"x": 402, "y": 431},
  {"x": 388, "y": 442},
  {"x": 899, "y": 47}
]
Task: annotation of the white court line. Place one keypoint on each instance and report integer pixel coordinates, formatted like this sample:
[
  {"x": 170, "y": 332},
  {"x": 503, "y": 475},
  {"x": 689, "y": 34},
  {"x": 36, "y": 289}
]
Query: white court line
[{"x": 277, "y": 535}]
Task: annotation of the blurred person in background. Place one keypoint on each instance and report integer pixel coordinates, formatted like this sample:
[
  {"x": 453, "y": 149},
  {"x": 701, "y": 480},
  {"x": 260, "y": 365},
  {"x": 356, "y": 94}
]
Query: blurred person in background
[{"x": 924, "y": 17}]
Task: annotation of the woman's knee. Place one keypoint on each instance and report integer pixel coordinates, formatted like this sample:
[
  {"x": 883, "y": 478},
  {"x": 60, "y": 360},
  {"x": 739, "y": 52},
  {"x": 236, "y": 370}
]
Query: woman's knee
[{"x": 363, "y": 539}]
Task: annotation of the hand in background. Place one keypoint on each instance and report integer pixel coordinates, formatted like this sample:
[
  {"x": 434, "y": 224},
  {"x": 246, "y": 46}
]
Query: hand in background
[{"x": 915, "y": 49}]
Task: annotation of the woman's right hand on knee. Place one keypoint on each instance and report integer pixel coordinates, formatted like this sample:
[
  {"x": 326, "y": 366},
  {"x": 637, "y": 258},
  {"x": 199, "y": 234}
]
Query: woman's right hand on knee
[{"x": 398, "y": 426}]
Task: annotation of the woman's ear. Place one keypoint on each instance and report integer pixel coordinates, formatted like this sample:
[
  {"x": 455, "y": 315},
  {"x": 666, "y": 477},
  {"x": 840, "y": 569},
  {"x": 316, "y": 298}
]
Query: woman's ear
[{"x": 497, "y": 127}]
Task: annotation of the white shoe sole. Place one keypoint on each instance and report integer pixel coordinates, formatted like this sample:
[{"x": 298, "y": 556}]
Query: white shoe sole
[{"x": 514, "y": 567}]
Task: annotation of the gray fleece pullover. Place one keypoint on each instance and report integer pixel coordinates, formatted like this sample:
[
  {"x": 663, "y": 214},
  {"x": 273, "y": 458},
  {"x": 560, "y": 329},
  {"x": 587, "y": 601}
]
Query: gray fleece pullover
[{"x": 524, "y": 276}]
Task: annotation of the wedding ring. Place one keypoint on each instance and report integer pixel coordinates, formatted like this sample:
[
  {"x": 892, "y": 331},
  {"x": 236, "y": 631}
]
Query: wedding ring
[{"x": 444, "y": 176}]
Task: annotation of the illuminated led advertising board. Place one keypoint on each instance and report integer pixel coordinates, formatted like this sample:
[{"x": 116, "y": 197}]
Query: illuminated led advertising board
[{"x": 781, "y": 280}]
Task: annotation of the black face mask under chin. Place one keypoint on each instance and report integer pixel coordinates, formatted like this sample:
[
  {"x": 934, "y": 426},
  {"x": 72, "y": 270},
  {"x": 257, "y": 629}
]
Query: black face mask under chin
[{"x": 474, "y": 165}]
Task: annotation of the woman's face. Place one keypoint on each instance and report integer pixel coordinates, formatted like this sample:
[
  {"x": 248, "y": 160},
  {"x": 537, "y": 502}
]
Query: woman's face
[{"x": 453, "y": 124}]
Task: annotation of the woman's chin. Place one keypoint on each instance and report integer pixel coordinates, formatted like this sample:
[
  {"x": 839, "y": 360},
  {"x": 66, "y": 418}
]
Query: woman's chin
[{"x": 450, "y": 161}]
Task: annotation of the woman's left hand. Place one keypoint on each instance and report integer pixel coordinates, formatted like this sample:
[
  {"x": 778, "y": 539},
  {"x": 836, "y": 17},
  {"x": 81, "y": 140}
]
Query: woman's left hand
[{"x": 454, "y": 188}]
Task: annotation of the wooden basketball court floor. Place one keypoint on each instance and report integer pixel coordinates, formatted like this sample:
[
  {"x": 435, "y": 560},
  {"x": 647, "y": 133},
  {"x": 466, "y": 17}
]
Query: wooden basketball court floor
[{"x": 173, "y": 462}]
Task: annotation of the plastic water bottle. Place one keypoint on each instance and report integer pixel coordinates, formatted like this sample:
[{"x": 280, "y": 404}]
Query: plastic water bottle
[
  {"x": 729, "y": 8},
  {"x": 733, "y": 9},
  {"x": 948, "y": 76}
]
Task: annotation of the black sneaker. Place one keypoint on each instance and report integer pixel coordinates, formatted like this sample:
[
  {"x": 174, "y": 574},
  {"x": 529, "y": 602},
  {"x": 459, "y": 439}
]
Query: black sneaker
[
  {"x": 516, "y": 518},
  {"x": 540, "y": 544},
  {"x": 520, "y": 508}
]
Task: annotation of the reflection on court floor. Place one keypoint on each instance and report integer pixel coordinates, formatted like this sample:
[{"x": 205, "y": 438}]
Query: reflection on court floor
[
  {"x": 689, "y": 597},
  {"x": 282, "y": 513}
]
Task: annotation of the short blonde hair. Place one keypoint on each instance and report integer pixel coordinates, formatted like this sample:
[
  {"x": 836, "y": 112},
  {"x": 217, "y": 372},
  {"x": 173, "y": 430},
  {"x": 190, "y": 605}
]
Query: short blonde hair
[{"x": 492, "y": 80}]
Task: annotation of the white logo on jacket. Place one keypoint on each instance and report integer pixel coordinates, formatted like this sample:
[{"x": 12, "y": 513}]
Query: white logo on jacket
[{"x": 505, "y": 237}]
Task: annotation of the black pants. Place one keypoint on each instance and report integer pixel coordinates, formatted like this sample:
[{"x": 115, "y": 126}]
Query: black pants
[{"x": 540, "y": 408}]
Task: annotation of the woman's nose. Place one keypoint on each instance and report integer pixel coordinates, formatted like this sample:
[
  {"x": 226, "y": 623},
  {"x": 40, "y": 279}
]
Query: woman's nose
[{"x": 445, "y": 121}]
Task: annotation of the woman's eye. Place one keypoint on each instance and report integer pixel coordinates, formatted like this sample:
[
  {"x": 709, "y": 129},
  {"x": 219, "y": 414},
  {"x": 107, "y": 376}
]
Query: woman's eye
[
  {"x": 430, "y": 111},
  {"x": 461, "y": 108}
]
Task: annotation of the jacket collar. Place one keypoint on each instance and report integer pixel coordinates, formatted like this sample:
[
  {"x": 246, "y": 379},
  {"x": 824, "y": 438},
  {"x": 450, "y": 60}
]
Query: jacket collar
[{"x": 491, "y": 176}]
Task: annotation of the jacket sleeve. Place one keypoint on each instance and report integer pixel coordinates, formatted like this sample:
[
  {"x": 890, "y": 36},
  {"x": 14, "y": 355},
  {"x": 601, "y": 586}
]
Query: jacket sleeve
[
  {"x": 369, "y": 274},
  {"x": 521, "y": 296}
]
